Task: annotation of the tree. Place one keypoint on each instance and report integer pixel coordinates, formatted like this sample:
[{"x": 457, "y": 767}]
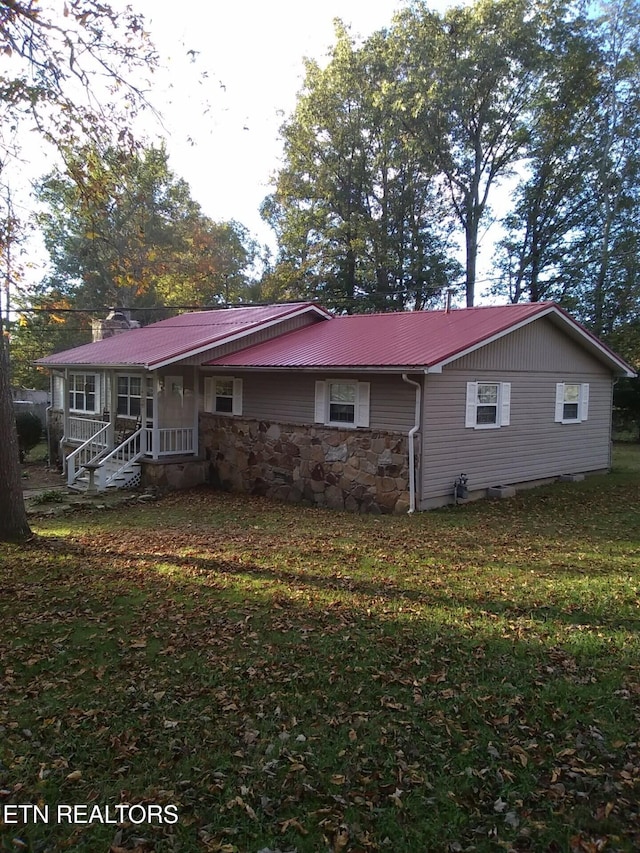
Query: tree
[
  {"x": 616, "y": 165},
  {"x": 542, "y": 229},
  {"x": 64, "y": 76},
  {"x": 13, "y": 516},
  {"x": 122, "y": 229},
  {"x": 573, "y": 234},
  {"x": 355, "y": 214},
  {"x": 46, "y": 322},
  {"x": 464, "y": 93}
]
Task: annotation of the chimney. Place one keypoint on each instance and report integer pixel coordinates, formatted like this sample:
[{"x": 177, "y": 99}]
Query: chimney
[{"x": 116, "y": 322}]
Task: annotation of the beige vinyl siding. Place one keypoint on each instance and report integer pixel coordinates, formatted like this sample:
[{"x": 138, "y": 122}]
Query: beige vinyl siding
[
  {"x": 538, "y": 347},
  {"x": 533, "y": 447},
  {"x": 289, "y": 325},
  {"x": 288, "y": 397}
]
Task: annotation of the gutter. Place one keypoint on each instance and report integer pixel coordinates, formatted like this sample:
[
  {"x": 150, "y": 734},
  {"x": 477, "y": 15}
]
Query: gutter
[{"x": 412, "y": 432}]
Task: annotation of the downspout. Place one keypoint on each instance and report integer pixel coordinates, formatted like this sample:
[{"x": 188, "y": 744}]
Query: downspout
[{"x": 412, "y": 432}]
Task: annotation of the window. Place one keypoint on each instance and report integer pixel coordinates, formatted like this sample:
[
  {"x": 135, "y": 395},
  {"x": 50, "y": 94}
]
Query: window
[
  {"x": 83, "y": 395},
  {"x": 223, "y": 395},
  {"x": 342, "y": 403},
  {"x": 129, "y": 396},
  {"x": 488, "y": 405},
  {"x": 572, "y": 402}
]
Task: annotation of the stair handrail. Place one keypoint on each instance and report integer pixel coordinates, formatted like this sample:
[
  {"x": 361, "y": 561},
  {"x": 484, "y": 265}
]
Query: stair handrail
[
  {"x": 89, "y": 451},
  {"x": 121, "y": 455}
]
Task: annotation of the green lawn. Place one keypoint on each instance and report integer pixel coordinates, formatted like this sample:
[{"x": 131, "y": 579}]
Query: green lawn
[{"x": 302, "y": 680}]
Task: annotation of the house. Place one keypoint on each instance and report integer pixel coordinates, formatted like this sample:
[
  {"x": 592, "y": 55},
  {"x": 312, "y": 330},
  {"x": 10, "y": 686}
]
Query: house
[{"x": 382, "y": 413}]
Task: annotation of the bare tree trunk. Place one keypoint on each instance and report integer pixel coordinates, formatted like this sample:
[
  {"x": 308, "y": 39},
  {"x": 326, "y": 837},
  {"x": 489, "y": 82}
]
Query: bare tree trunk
[
  {"x": 471, "y": 261},
  {"x": 14, "y": 526}
]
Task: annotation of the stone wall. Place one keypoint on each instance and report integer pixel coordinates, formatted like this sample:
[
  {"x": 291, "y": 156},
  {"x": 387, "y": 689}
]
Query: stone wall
[
  {"x": 172, "y": 474},
  {"x": 357, "y": 470}
]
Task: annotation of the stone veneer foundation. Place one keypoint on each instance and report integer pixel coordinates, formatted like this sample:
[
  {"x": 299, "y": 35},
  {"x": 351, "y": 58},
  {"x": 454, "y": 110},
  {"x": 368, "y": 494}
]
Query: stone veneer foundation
[{"x": 353, "y": 469}]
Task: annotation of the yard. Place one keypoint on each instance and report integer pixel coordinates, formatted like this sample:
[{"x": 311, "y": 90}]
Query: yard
[{"x": 287, "y": 679}]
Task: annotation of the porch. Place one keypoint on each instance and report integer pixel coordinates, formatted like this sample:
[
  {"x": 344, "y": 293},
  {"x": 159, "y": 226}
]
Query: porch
[{"x": 102, "y": 454}]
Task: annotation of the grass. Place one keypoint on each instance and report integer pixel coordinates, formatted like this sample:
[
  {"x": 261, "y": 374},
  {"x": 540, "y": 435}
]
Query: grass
[{"x": 294, "y": 679}]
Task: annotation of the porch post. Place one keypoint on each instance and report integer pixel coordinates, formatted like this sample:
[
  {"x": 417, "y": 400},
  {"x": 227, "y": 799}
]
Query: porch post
[
  {"x": 112, "y": 397},
  {"x": 155, "y": 432},
  {"x": 196, "y": 410},
  {"x": 65, "y": 419},
  {"x": 143, "y": 413},
  {"x": 65, "y": 404}
]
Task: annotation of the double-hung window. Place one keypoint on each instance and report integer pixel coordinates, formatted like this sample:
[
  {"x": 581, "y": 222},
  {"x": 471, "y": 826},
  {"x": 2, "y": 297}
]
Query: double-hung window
[
  {"x": 83, "y": 393},
  {"x": 572, "y": 402},
  {"x": 342, "y": 403},
  {"x": 488, "y": 405},
  {"x": 129, "y": 396},
  {"x": 223, "y": 395}
]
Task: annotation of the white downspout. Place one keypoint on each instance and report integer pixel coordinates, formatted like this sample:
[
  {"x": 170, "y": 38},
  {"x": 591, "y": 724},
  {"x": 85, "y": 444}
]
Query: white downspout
[{"x": 414, "y": 429}]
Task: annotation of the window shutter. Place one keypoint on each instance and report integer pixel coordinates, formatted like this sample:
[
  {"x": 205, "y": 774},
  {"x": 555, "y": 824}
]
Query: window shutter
[
  {"x": 237, "y": 397},
  {"x": 584, "y": 401},
  {"x": 362, "y": 404},
  {"x": 320, "y": 403},
  {"x": 559, "y": 402},
  {"x": 209, "y": 392},
  {"x": 472, "y": 396},
  {"x": 505, "y": 403}
]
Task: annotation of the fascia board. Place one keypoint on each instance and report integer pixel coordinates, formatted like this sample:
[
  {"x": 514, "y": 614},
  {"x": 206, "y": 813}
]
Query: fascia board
[
  {"x": 92, "y": 368},
  {"x": 324, "y": 369}
]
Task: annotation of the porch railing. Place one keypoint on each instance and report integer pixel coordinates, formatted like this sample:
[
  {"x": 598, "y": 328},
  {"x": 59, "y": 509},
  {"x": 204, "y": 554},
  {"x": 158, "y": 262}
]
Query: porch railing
[
  {"x": 83, "y": 429},
  {"x": 170, "y": 442},
  {"x": 96, "y": 450},
  {"x": 89, "y": 452}
]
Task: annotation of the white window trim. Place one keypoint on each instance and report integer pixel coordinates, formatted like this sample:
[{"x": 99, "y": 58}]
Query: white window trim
[
  {"x": 96, "y": 385},
  {"x": 361, "y": 406},
  {"x": 583, "y": 403},
  {"x": 210, "y": 395},
  {"x": 128, "y": 395},
  {"x": 503, "y": 405}
]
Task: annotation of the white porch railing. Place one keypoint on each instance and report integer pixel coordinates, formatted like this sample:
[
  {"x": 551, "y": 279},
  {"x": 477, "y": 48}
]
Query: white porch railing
[
  {"x": 83, "y": 429},
  {"x": 89, "y": 451},
  {"x": 170, "y": 442},
  {"x": 106, "y": 465}
]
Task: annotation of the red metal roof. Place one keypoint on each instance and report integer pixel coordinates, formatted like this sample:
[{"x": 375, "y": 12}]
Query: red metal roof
[
  {"x": 178, "y": 337},
  {"x": 420, "y": 339}
]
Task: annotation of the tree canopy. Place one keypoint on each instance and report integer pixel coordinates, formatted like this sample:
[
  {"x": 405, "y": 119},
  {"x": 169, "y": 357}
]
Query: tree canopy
[
  {"x": 123, "y": 231},
  {"x": 422, "y": 136},
  {"x": 352, "y": 206}
]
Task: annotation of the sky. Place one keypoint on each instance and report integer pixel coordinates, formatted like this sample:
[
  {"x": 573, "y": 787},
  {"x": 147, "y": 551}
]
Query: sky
[{"x": 221, "y": 129}]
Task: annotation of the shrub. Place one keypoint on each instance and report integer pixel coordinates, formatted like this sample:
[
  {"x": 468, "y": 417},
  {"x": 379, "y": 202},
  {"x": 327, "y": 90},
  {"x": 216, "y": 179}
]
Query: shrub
[{"x": 29, "y": 432}]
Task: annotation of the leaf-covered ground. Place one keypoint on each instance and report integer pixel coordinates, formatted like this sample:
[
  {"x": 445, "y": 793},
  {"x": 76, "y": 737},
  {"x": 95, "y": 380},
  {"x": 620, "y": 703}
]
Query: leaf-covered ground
[{"x": 300, "y": 680}]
